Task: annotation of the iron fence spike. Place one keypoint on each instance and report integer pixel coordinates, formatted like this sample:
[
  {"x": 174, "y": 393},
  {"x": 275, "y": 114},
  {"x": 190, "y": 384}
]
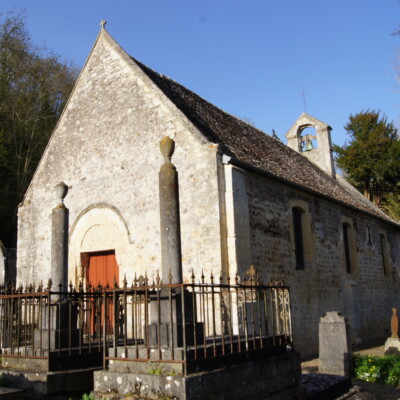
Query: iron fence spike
[
  {"x": 193, "y": 277},
  {"x": 170, "y": 276},
  {"x": 157, "y": 279}
]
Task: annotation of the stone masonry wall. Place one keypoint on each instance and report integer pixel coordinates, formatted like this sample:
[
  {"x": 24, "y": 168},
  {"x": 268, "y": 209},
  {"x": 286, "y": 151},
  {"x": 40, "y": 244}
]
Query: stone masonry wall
[
  {"x": 365, "y": 296},
  {"x": 106, "y": 149}
]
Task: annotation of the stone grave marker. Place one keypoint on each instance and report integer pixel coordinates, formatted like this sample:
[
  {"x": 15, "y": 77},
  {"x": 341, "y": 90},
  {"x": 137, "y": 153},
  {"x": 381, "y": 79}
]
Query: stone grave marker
[{"x": 335, "y": 354}]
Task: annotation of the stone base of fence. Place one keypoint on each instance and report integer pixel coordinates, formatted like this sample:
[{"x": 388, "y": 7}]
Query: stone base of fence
[
  {"x": 45, "y": 362},
  {"x": 272, "y": 378},
  {"x": 45, "y": 383}
]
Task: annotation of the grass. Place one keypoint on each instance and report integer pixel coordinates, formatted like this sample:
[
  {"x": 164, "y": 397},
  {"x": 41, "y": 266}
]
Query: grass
[
  {"x": 384, "y": 369},
  {"x": 157, "y": 369}
]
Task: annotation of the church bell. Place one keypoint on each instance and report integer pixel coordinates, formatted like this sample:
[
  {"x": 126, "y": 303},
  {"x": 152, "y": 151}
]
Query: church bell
[{"x": 309, "y": 145}]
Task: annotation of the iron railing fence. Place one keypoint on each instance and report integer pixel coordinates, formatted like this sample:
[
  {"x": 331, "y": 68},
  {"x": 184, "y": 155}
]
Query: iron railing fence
[
  {"x": 41, "y": 324},
  {"x": 196, "y": 322}
]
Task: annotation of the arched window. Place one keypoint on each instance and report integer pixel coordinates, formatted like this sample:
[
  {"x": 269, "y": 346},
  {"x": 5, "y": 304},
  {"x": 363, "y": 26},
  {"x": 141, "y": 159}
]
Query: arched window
[
  {"x": 384, "y": 254},
  {"x": 302, "y": 238},
  {"x": 347, "y": 247},
  {"x": 297, "y": 215}
]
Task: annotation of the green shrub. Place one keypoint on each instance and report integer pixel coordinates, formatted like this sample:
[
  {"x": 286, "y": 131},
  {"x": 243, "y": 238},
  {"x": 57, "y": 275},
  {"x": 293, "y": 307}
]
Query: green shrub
[
  {"x": 89, "y": 396},
  {"x": 378, "y": 369}
]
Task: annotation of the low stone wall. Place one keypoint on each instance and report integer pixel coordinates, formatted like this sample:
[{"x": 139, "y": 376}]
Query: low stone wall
[
  {"x": 45, "y": 383},
  {"x": 274, "y": 378}
]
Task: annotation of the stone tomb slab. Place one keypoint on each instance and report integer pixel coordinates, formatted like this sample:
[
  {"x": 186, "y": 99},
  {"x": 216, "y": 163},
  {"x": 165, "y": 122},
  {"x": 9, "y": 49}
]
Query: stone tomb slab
[{"x": 270, "y": 378}]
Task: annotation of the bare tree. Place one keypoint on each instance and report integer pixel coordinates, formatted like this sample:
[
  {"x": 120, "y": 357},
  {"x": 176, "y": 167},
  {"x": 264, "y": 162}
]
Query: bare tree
[{"x": 34, "y": 87}]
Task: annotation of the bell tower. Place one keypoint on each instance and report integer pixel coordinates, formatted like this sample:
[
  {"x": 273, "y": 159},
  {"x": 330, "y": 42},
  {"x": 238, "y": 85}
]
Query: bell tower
[{"x": 316, "y": 146}]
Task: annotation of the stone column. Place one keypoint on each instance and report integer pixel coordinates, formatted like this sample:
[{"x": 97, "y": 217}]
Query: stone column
[
  {"x": 56, "y": 331},
  {"x": 59, "y": 240},
  {"x": 169, "y": 215},
  {"x": 171, "y": 321}
]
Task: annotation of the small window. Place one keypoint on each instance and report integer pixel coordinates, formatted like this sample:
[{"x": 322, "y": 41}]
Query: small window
[
  {"x": 346, "y": 240},
  {"x": 298, "y": 237}
]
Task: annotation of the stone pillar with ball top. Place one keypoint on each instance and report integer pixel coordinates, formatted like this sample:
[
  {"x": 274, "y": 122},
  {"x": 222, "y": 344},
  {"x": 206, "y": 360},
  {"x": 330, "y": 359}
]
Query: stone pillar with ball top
[
  {"x": 59, "y": 239},
  {"x": 58, "y": 325},
  {"x": 171, "y": 315},
  {"x": 169, "y": 215}
]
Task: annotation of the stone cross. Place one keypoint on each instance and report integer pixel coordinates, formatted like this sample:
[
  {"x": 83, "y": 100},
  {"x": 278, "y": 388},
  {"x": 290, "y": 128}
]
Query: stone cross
[{"x": 103, "y": 23}]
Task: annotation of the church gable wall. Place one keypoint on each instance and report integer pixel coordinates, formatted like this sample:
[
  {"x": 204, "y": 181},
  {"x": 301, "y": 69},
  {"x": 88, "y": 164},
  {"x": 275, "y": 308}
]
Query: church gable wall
[
  {"x": 106, "y": 149},
  {"x": 365, "y": 296}
]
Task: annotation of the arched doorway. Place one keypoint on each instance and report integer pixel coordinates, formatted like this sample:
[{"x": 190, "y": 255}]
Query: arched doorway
[{"x": 99, "y": 247}]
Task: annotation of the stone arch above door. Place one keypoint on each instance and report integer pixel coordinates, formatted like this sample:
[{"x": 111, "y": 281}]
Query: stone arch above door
[{"x": 98, "y": 228}]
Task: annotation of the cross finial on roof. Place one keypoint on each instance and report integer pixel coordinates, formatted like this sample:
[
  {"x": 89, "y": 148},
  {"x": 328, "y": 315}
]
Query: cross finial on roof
[
  {"x": 103, "y": 23},
  {"x": 304, "y": 100}
]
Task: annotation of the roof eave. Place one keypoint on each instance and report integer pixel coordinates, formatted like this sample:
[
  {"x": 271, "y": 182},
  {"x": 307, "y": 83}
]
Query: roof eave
[{"x": 241, "y": 164}]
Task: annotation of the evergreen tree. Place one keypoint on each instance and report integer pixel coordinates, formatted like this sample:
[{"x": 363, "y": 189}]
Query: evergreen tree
[{"x": 370, "y": 158}]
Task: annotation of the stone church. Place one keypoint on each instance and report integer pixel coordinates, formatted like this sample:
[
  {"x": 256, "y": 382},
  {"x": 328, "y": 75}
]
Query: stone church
[{"x": 245, "y": 199}]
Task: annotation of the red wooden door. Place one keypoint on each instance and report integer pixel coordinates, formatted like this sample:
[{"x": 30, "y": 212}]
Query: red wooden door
[{"x": 102, "y": 270}]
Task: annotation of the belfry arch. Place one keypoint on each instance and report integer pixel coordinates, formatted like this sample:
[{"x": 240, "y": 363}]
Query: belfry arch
[{"x": 315, "y": 145}]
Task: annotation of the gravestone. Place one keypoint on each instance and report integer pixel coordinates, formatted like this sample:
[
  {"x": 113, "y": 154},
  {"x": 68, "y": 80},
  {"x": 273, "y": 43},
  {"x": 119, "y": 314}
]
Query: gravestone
[{"x": 335, "y": 354}]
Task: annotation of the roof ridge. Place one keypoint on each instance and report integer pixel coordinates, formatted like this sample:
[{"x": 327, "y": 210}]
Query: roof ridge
[
  {"x": 250, "y": 145},
  {"x": 141, "y": 64}
]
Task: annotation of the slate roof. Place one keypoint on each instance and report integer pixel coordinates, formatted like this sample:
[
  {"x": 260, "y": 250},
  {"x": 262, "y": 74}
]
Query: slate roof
[{"x": 249, "y": 145}]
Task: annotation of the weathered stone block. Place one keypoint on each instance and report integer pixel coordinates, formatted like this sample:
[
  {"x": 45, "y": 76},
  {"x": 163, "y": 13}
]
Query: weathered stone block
[
  {"x": 392, "y": 346},
  {"x": 335, "y": 354},
  {"x": 270, "y": 378}
]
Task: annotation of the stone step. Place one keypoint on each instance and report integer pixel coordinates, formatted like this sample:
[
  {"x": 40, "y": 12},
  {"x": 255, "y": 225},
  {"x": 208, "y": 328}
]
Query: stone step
[{"x": 10, "y": 394}]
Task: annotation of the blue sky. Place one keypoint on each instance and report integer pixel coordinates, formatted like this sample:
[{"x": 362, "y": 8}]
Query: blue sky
[{"x": 252, "y": 58}]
